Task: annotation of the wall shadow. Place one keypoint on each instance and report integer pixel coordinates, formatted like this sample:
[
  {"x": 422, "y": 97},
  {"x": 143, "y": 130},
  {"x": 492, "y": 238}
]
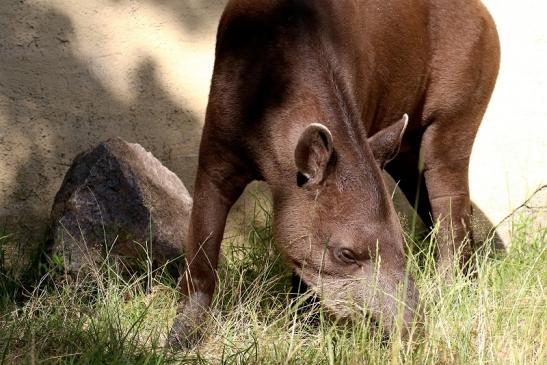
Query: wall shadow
[{"x": 53, "y": 107}]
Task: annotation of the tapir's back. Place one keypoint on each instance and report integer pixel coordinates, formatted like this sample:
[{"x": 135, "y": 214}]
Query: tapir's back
[
  {"x": 387, "y": 53},
  {"x": 419, "y": 57}
]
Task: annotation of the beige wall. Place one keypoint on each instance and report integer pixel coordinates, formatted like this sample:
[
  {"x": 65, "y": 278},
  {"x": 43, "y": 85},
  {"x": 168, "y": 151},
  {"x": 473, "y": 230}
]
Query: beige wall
[
  {"x": 73, "y": 73},
  {"x": 509, "y": 160}
]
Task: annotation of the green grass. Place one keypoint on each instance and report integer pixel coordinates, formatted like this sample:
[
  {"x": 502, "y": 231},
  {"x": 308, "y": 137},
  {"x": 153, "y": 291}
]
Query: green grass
[{"x": 497, "y": 317}]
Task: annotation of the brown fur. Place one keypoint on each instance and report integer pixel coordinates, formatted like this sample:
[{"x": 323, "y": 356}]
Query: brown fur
[{"x": 354, "y": 67}]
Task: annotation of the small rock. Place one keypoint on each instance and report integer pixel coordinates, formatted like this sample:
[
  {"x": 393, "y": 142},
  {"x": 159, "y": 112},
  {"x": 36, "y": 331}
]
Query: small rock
[{"x": 118, "y": 199}]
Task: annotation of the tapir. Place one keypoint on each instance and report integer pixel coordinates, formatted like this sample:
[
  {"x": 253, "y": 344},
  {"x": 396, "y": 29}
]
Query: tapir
[{"x": 316, "y": 98}]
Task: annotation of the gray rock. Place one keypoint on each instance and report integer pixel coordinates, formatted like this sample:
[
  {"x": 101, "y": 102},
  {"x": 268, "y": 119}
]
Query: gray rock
[{"x": 117, "y": 199}]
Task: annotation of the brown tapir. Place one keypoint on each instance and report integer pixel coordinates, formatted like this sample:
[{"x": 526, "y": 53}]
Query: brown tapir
[{"x": 312, "y": 96}]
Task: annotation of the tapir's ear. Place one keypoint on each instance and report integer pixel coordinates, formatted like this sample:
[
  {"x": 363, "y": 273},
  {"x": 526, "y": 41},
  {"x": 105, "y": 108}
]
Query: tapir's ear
[
  {"x": 386, "y": 143},
  {"x": 313, "y": 153}
]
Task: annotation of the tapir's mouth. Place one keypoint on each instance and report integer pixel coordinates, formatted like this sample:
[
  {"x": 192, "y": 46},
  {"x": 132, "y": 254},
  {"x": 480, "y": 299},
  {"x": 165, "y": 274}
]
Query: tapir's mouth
[{"x": 350, "y": 299}]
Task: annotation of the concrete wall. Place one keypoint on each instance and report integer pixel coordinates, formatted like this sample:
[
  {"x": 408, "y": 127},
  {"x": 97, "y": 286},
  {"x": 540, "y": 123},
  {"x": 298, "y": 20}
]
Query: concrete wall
[
  {"x": 509, "y": 160},
  {"x": 73, "y": 73}
]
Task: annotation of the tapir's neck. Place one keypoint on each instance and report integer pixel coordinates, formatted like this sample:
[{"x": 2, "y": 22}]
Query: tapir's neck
[{"x": 271, "y": 83}]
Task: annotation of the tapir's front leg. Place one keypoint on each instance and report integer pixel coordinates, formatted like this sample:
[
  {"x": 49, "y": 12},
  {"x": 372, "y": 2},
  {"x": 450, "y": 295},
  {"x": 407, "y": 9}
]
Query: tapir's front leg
[{"x": 217, "y": 188}]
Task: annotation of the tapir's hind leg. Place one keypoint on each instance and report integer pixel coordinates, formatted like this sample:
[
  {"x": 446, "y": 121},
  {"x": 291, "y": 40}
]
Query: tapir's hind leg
[
  {"x": 466, "y": 57},
  {"x": 446, "y": 148},
  {"x": 218, "y": 185}
]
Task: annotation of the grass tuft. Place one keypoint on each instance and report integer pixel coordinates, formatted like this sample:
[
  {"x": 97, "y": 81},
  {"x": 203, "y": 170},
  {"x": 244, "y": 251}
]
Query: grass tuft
[{"x": 498, "y": 316}]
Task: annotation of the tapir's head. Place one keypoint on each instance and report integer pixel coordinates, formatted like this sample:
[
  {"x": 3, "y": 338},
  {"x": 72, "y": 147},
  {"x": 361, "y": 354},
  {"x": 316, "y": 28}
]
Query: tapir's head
[{"x": 338, "y": 227}]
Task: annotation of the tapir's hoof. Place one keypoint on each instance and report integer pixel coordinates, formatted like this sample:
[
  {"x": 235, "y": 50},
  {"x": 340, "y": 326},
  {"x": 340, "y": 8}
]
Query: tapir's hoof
[
  {"x": 188, "y": 328},
  {"x": 184, "y": 334}
]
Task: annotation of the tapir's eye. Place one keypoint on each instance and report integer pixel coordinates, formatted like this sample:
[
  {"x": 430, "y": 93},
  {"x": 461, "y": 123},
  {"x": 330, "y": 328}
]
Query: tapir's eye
[
  {"x": 345, "y": 255},
  {"x": 301, "y": 179}
]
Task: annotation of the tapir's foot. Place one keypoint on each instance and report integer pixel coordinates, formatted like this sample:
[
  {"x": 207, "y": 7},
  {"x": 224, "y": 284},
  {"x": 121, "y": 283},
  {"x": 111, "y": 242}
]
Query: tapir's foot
[
  {"x": 456, "y": 251},
  {"x": 447, "y": 269},
  {"x": 188, "y": 328},
  {"x": 449, "y": 266},
  {"x": 183, "y": 335}
]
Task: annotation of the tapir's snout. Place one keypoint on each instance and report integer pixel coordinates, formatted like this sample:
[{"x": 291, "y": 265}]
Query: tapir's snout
[{"x": 390, "y": 299}]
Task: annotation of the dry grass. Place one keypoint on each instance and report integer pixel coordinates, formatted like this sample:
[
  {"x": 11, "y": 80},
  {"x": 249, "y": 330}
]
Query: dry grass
[{"x": 499, "y": 316}]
